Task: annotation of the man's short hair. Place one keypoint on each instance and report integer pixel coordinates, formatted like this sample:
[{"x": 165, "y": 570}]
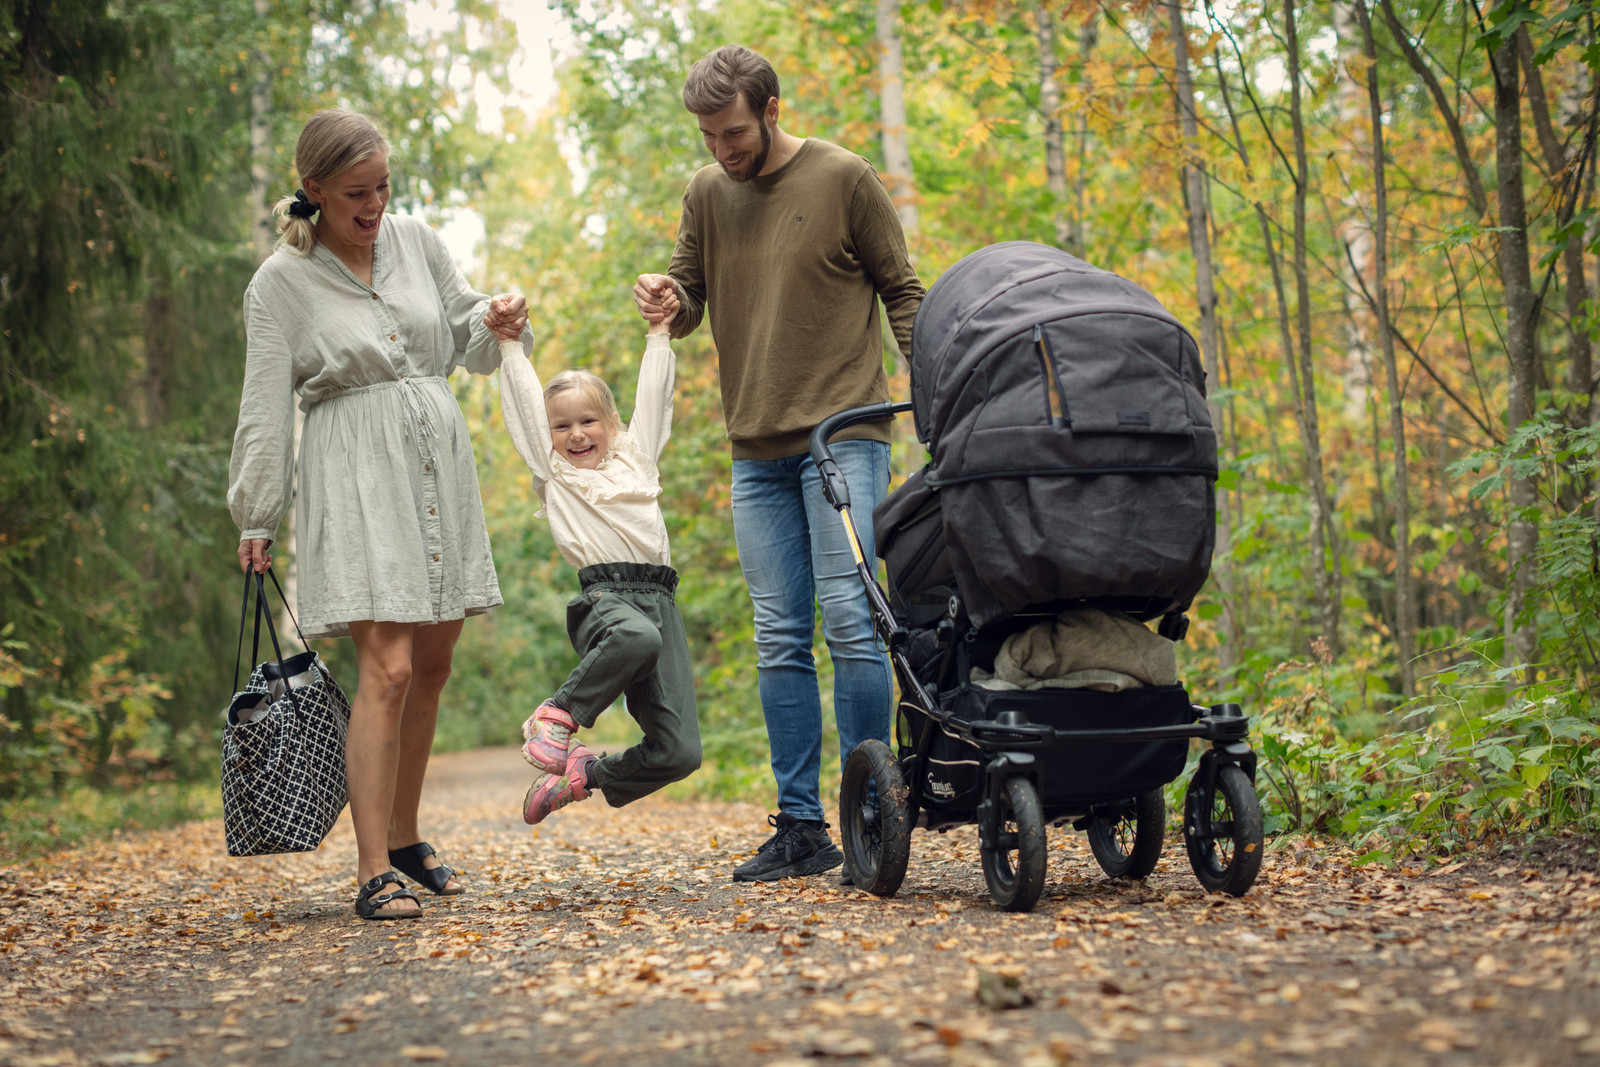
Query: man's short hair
[{"x": 719, "y": 78}]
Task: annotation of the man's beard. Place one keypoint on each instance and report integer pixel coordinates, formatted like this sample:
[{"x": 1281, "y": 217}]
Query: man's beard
[{"x": 758, "y": 161}]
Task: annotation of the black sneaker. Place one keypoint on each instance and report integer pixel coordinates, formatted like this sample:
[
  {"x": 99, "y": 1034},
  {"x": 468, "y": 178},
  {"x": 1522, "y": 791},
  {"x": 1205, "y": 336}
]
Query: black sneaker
[{"x": 796, "y": 850}]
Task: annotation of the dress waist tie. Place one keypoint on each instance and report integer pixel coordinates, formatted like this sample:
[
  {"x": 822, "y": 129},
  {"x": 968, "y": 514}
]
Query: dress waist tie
[{"x": 411, "y": 393}]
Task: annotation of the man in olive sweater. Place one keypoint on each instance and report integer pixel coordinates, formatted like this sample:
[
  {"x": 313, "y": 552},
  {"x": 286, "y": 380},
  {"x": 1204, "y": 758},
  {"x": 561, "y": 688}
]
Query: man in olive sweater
[{"x": 791, "y": 242}]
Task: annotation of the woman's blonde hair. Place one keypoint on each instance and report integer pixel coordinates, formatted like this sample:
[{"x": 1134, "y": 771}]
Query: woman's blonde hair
[
  {"x": 593, "y": 386},
  {"x": 331, "y": 143}
]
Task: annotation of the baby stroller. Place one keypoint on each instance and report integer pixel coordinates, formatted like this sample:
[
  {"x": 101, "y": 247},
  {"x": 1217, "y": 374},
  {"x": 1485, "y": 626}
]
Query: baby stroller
[{"x": 1072, "y": 467}]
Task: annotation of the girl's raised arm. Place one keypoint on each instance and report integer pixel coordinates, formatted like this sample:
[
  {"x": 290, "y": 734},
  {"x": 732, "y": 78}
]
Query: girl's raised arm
[
  {"x": 522, "y": 405},
  {"x": 652, "y": 405}
]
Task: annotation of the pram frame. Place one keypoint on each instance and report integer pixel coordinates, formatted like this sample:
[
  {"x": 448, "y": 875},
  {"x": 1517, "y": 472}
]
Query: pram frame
[{"x": 1006, "y": 742}]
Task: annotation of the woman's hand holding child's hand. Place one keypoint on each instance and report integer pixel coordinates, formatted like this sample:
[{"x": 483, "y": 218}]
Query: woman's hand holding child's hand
[{"x": 508, "y": 314}]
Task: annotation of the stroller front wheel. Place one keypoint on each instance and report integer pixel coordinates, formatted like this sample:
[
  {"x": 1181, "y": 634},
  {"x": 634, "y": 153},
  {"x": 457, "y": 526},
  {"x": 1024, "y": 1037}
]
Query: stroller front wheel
[
  {"x": 1128, "y": 845},
  {"x": 1222, "y": 831},
  {"x": 874, "y": 819},
  {"x": 1015, "y": 883}
]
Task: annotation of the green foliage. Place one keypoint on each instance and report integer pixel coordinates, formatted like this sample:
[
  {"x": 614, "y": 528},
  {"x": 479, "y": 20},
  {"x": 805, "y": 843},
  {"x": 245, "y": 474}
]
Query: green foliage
[
  {"x": 1463, "y": 764},
  {"x": 1478, "y": 755},
  {"x": 125, "y": 156},
  {"x": 1565, "y": 461},
  {"x": 103, "y": 523}
]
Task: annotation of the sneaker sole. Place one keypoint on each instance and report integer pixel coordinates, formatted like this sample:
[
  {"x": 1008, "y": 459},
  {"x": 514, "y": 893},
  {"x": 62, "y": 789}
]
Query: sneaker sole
[
  {"x": 822, "y": 861},
  {"x": 550, "y": 760}
]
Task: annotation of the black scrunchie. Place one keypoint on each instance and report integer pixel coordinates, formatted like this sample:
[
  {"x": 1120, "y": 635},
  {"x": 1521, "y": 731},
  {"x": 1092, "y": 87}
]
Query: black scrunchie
[{"x": 302, "y": 208}]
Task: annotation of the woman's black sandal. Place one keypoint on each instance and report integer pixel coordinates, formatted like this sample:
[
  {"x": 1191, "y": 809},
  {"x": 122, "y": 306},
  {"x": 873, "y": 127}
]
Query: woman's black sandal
[
  {"x": 368, "y": 903},
  {"x": 409, "y": 861}
]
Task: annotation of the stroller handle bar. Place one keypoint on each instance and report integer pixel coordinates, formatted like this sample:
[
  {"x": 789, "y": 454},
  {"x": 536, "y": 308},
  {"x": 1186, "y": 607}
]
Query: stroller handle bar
[{"x": 833, "y": 483}]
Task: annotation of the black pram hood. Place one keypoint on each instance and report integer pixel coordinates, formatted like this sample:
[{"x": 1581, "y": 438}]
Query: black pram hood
[{"x": 1072, "y": 450}]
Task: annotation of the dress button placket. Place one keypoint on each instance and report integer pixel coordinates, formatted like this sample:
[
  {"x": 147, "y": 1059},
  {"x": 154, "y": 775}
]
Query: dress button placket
[
  {"x": 433, "y": 547},
  {"x": 435, "y": 537}
]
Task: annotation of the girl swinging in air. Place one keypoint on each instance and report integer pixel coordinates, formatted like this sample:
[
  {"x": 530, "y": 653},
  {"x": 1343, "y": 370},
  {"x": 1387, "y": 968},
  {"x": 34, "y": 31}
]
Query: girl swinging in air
[{"x": 599, "y": 485}]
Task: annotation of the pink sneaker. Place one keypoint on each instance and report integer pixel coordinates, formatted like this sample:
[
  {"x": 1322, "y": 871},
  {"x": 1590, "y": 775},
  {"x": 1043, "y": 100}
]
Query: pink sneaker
[
  {"x": 547, "y": 735},
  {"x": 549, "y": 793}
]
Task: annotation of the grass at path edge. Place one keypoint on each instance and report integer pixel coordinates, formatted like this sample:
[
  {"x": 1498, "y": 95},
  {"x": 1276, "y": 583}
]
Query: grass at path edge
[{"x": 34, "y": 826}]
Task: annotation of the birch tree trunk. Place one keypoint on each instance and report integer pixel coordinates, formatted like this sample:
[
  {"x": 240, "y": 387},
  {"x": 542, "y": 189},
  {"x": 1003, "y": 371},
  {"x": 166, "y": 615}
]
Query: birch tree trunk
[
  {"x": 1404, "y": 597},
  {"x": 1572, "y": 176},
  {"x": 1522, "y": 637},
  {"x": 1088, "y": 36},
  {"x": 261, "y": 142},
  {"x": 1325, "y": 566},
  {"x": 1055, "y": 152},
  {"x": 898, "y": 176},
  {"x": 1354, "y": 230},
  {"x": 1194, "y": 187},
  {"x": 1567, "y": 174}
]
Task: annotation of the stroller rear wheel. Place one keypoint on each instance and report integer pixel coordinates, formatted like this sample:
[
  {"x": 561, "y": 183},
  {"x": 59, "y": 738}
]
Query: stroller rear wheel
[
  {"x": 1014, "y": 867},
  {"x": 874, "y": 820},
  {"x": 1222, "y": 831},
  {"x": 1128, "y": 845}
]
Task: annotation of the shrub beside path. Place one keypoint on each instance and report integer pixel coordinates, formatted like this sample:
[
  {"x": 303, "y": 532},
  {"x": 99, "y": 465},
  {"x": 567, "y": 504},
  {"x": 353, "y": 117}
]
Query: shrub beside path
[{"x": 614, "y": 936}]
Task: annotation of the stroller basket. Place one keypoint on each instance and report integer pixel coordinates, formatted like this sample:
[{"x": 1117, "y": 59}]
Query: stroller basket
[{"x": 1091, "y": 743}]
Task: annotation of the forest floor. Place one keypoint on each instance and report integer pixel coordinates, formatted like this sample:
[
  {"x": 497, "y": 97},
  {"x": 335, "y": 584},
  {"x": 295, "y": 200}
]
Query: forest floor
[{"x": 615, "y": 935}]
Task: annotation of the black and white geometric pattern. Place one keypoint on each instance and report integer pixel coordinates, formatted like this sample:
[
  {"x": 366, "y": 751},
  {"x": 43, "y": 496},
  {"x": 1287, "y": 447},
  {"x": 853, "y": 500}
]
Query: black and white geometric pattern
[{"x": 283, "y": 776}]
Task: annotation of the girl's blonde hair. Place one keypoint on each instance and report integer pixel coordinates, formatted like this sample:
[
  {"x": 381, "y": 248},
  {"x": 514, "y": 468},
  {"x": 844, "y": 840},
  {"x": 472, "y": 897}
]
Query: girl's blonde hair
[
  {"x": 592, "y": 385},
  {"x": 331, "y": 143}
]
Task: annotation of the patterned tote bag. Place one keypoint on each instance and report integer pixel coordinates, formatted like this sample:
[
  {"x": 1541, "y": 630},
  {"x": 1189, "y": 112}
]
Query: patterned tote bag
[{"x": 283, "y": 778}]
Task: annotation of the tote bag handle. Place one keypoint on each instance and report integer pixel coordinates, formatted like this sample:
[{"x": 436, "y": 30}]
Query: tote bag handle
[{"x": 272, "y": 631}]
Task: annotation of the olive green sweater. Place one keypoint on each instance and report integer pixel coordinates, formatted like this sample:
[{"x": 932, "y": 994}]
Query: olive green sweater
[{"x": 791, "y": 265}]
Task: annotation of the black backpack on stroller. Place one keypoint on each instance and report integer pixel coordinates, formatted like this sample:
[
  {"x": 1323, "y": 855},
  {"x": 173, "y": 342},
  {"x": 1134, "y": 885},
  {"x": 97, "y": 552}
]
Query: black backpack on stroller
[
  {"x": 1073, "y": 457},
  {"x": 1072, "y": 465}
]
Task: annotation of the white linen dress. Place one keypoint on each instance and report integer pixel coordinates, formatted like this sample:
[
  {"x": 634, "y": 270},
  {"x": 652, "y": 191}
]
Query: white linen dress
[{"x": 388, "y": 520}]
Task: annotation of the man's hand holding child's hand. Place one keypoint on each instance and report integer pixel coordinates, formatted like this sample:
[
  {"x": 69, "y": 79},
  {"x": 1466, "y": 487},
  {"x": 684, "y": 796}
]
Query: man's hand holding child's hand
[{"x": 657, "y": 299}]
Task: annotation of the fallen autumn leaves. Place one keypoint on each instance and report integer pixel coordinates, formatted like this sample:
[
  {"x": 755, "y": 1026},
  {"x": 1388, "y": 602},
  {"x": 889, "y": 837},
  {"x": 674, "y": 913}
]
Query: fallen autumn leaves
[{"x": 615, "y": 933}]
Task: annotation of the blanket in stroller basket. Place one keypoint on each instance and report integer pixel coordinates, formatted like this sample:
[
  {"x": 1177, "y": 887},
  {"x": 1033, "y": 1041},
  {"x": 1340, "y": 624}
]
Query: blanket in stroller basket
[
  {"x": 1083, "y": 649},
  {"x": 1073, "y": 459}
]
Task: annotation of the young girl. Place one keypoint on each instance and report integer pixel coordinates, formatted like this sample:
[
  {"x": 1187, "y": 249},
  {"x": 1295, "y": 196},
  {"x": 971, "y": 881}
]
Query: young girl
[{"x": 599, "y": 484}]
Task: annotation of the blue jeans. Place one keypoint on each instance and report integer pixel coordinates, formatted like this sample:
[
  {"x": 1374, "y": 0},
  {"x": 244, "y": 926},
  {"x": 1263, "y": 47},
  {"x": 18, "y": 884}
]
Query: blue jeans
[{"x": 794, "y": 554}]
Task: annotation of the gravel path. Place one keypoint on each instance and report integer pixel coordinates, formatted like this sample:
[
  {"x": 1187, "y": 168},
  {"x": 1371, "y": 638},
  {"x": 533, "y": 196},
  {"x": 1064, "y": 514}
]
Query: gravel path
[{"x": 613, "y": 935}]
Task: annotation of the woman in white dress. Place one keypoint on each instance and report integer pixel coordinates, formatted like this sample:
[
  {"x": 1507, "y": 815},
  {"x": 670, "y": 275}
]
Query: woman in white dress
[{"x": 364, "y": 315}]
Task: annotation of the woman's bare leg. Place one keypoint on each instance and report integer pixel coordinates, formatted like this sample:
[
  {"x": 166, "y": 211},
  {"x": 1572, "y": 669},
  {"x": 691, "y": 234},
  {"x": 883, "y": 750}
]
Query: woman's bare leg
[
  {"x": 432, "y": 648},
  {"x": 372, "y": 745}
]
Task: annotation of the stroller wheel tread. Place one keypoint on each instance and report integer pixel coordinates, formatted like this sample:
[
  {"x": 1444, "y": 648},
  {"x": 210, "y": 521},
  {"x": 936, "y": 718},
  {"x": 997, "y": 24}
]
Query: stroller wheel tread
[
  {"x": 1129, "y": 846},
  {"x": 1016, "y": 884},
  {"x": 875, "y": 819},
  {"x": 1222, "y": 831}
]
